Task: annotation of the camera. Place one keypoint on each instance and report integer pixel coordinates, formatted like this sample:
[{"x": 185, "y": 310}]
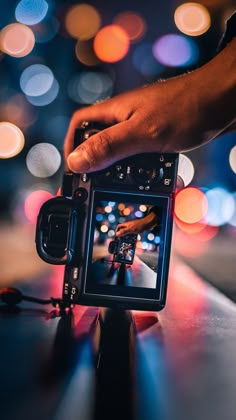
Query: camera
[
  {"x": 123, "y": 248},
  {"x": 78, "y": 229}
]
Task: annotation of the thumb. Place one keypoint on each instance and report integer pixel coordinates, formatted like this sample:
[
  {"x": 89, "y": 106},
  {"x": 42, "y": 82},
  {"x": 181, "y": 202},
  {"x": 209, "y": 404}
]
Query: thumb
[{"x": 104, "y": 148}]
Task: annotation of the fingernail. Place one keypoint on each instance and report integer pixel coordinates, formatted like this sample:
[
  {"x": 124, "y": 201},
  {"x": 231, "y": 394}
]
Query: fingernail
[{"x": 78, "y": 162}]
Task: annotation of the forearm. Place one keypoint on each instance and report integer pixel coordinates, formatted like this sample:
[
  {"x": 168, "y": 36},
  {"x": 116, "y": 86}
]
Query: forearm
[{"x": 216, "y": 86}]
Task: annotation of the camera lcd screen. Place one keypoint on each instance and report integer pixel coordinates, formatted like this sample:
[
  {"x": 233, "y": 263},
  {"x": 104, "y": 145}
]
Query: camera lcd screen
[{"x": 129, "y": 243}]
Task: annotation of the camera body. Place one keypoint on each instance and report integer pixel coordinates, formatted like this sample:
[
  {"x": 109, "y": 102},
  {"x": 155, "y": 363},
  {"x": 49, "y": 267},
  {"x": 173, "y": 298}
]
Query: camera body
[{"x": 78, "y": 229}]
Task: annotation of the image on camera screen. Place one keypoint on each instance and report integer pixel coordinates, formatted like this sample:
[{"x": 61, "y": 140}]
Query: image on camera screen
[{"x": 126, "y": 242}]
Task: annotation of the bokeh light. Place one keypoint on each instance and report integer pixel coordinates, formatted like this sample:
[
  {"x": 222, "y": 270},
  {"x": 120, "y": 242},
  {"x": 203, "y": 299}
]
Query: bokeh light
[
  {"x": 11, "y": 140},
  {"x": 185, "y": 169},
  {"x": 18, "y": 111},
  {"x": 133, "y": 24},
  {"x": 82, "y": 21},
  {"x": 36, "y": 80},
  {"x": 89, "y": 87},
  {"x": 43, "y": 160},
  {"x": 190, "y": 205},
  {"x": 33, "y": 203},
  {"x": 45, "y": 31},
  {"x": 192, "y": 19},
  {"x": 47, "y": 98},
  {"x": 17, "y": 40},
  {"x": 232, "y": 159},
  {"x": 144, "y": 60},
  {"x": 221, "y": 207},
  {"x": 175, "y": 50},
  {"x": 111, "y": 43},
  {"x": 85, "y": 53},
  {"x": 31, "y": 12},
  {"x": 232, "y": 220}
]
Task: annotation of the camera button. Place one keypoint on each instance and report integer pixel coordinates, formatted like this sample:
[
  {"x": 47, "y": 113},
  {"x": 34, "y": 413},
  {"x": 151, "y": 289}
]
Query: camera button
[{"x": 81, "y": 194}]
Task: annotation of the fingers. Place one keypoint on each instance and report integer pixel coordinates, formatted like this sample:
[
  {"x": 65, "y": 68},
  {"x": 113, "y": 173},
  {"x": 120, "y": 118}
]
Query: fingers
[
  {"x": 102, "y": 113},
  {"x": 105, "y": 147}
]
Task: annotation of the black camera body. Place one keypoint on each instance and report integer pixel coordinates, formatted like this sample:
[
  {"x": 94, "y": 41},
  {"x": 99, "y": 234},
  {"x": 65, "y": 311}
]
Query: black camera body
[{"x": 76, "y": 228}]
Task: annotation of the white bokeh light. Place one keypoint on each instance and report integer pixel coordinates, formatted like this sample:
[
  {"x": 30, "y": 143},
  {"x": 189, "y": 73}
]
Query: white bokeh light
[
  {"x": 43, "y": 160},
  {"x": 36, "y": 80},
  {"x": 221, "y": 207},
  {"x": 185, "y": 169},
  {"x": 232, "y": 159}
]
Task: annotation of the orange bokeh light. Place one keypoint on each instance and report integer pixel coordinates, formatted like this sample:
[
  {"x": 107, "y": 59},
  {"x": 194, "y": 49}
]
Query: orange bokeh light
[
  {"x": 111, "y": 43},
  {"x": 85, "y": 53},
  {"x": 189, "y": 227},
  {"x": 82, "y": 21},
  {"x": 18, "y": 111},
  {"x": 17, "y": 40},
  {"x": 11, "y": 140},
  {"x": 190, "y": 205},
  {"x": 192, "y": 19},
  {"x": 33, "y": 203},
  {"x": 132, "y": 23}
]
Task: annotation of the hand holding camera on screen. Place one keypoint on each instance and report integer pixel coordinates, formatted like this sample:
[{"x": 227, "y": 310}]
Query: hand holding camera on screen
[{"x": 137, "y": 225}]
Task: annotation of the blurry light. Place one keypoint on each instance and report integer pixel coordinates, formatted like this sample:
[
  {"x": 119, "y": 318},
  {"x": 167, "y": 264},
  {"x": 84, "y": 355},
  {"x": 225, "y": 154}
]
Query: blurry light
[
  {"x": 111, "y": 43},
  {"x": 18, "y": 111},
  {"x": 33, "y": 203},
  {"x": 89, "y": 87},
  {"x": 111, "y": 203},
  {"x": 45, "y": 31},
  {"x": 175, "y": 50},
  {"x": 138, "y": 214},
  {"x": 206, "y": 234},
  {"x": 82, "y": 21},
  {"x": 108, "y": 209},
  {"x": 144, "y": 245},
  {"x": 139, "y": 237},
  {"x": 192, "y": 19},
  {"x": 43, "y": 160},
  {"x": 221, "y": 207},
  {"x": 36, "y": 80},
  {"x": 111, "y": 233},
  {"x": 157, "y": 240},
  {"x": 31, "y": 12},
  {"x": 47, "y": 98},
  {"x": 111, "y": 218},
  {"x": 133, "y": 24},
  {"x": 185, "y": 245},
  {"x": 121, "y": 206},
  {"x": 150, "y": 236},
  {"x": 189, "y": 227},
  {"x": 126, "y": 212},
  {"x": 143, "y": 208},
  {"x": 17, "y": 40},
  {"x": 85, "y": 53},
  {"x": 232, "y": 159},
  {"x": 185, "y": 169},
  {"x": 104, "y": 228},
  {"x": 99, "y": 217},
  {"x": 232, "y": 220},
  {"x": 190, "y": 205},
  {"x": 11, "y": 140},
  {"x": 144, "y": 60}
]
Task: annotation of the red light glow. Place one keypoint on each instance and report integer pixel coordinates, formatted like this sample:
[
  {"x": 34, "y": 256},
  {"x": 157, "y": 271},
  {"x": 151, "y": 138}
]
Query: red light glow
[{"x": 33, "y": 203}]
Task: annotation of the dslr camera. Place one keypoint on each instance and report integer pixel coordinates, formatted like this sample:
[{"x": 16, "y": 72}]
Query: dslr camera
[{"x": 78, "y": 228}]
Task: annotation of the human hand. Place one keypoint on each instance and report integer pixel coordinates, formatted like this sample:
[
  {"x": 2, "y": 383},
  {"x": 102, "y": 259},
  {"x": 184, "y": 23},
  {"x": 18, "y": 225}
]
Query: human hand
[
  {"x": 175, "y": 115},
  {"x": 137, "y": 225}
]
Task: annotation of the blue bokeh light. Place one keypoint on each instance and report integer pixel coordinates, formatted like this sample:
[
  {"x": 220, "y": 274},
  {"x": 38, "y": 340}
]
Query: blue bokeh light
[
  {"x": 31, "y": 12},
  {"x": 36, "y": 80}
]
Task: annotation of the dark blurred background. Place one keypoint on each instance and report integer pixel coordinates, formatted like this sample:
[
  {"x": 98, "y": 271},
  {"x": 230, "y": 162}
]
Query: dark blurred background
[{"x": 57, "y": 56}]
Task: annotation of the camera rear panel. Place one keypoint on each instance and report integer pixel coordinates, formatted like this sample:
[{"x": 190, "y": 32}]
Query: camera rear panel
[{"x": 144, "y": 180}]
